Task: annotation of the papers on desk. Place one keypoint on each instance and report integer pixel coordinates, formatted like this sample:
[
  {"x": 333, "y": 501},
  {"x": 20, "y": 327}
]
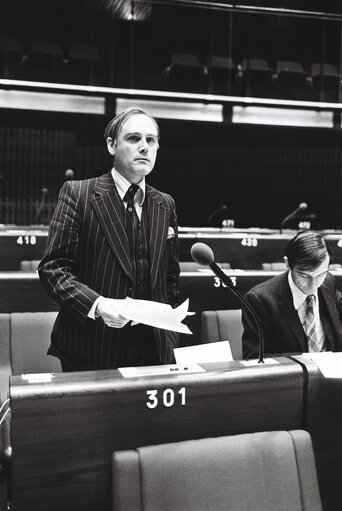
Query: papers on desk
[
  {"x": 201, "y": 353},
  {"x": 170, "y": 369},
  {"x": 329, "y": 363},
  {"x": 255, "y": 362},
  {"x": 159, "y": 315}
]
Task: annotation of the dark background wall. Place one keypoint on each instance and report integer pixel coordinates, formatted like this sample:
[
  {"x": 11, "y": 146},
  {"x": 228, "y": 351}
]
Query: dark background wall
[{"x": 260, "y": 172}]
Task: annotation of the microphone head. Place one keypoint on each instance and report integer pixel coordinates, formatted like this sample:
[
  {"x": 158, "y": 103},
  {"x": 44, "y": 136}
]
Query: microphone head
[
  {"x": 69, "y": 174},
  {"x": 44, "y": 191},
  {"x": 302, "y": 206},
  {"x": 202, "y": 254}
]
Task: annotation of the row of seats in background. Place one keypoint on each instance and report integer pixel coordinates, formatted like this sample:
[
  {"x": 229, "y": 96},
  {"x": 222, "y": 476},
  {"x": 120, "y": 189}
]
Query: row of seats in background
[
  {"x": 219, "y": 75},
  {"x": 254, "y": 74},
  {"x": 44, "y": 60}
]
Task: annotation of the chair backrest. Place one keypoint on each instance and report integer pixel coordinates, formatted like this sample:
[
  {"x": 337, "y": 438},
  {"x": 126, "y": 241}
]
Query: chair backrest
[
  {"x": 269, "y": 471},
  {"x": 220, "y": 62},
  {"x": 289, "y": 66},
  {"x": 325, "y": 69},
  {"x": 184, "y": 59},
  {"x": 10, "y": 45},
  {"x": 223, "y": 325},
  {"x": 84, "y": 52},
  {"x": 5, "y": 354},
  {"x": 46, "y": 48},
  {"x": 255, "y": 65},
  {"x": 30, "y": 339},
  {"x": 24, "y": 341}
]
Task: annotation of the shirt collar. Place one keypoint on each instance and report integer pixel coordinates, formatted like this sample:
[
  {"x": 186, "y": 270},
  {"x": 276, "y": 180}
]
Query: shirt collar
[
  {"x": 297, "y": 295},
  {"x": 122, "y": 185}
]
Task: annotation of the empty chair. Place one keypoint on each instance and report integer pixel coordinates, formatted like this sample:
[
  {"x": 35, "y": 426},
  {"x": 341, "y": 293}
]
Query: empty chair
[
  {"x": 24, "y": 341},
  {"x": 291, "y": 74},
  {"x": 11, "y": 53},
  {"x": 256, "y": 72},
  {"x": 264, "y": 471},
  {"x": 45, "y": 54},
  {"x": 223, "y": 325},
  {"x": 185, "y": 70},
  {"x": 326, "y": 80},
  {"x": 222, "y": 74},
  {"x": 84, "y": 61}
]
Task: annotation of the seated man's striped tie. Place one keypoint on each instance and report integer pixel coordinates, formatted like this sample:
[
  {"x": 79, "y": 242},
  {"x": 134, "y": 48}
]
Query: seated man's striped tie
[{"x": 310, "y": 325}]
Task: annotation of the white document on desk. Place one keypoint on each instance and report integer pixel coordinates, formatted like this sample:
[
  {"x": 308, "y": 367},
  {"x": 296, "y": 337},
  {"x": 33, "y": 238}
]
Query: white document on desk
[
  {"x": 328, "y": 362},
  {"x": 159, "y": 315},
  {"x": 201, "y": 353}
]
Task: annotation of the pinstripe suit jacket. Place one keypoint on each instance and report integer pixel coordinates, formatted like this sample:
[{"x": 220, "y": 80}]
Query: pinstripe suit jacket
[
  {"x": 283, "y": 333},
  {"x": 87, "y": 255}
]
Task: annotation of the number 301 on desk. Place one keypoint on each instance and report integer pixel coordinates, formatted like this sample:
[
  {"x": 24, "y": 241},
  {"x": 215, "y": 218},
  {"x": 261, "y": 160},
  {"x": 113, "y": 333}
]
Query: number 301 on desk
[{"x": 167, "y": 398}]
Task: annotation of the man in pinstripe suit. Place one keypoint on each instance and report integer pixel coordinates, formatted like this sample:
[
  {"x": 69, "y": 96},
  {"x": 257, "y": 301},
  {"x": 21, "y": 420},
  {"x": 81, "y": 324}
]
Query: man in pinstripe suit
[{"x": 96, "y": 254}]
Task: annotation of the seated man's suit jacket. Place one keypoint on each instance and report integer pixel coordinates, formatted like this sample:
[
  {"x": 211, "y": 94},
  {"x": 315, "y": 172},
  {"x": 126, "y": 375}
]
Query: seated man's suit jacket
[
  {"x": 283, "y": 333},
  {"x": 87, "y": 255}
]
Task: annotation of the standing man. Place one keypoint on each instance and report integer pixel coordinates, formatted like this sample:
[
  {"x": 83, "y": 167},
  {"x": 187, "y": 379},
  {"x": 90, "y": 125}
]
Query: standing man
[
  {"x": 299, "y": 310},
  {"x": 112, "y": 237}
]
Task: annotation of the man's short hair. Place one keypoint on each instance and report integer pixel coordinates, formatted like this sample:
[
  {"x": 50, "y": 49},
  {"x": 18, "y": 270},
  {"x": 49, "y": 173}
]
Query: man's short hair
[
  {"x": 307, "y": 250},
  {"x": 114, "y": 126}
]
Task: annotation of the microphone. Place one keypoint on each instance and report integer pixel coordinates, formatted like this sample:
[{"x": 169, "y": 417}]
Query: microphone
[
  {"x": 41, "y": 205},
  {"x": 301, "y": 207},
  {"x": 69, "y": 174},
  {"x": 203, "y": 255}
]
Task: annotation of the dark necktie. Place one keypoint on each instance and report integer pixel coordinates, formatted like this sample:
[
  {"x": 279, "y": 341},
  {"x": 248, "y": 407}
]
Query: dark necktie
[
  {"x": 132, "y": 222},
  {"x": 310, "y": 324}
]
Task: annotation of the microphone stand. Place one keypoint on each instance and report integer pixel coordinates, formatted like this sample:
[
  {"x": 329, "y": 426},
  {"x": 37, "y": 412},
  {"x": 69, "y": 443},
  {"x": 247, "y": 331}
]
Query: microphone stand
[
  {"x": 214, "y": 213},
  {"x": 217, "y": 270},
  {"x": 42, "y": 204},
  {"x": 302, "y": 207}
]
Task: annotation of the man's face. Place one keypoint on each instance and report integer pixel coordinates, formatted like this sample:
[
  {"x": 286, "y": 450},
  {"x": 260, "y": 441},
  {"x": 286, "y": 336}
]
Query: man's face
[
  {"x": 309, "y": 281},
  {"x": 135, "y": 148}
]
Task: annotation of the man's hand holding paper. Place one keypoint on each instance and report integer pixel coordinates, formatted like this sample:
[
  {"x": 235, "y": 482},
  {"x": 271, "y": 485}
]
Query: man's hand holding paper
[{"x": 117, "y": 313}]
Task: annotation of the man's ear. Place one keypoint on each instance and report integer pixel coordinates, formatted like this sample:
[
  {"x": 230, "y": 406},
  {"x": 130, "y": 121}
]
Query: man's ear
[
  {"x": 287, "y": 262},
  {"x": 110, "y": 145}
]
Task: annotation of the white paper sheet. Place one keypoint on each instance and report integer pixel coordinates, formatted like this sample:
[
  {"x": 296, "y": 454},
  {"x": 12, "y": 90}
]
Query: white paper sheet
[
  {"x": 255, "y": 361},
  {"x": 160, "y": 315},
  {"x": 210, "y": 352},
  {"x": 329, "y": 363},
  {"x": 170, "y": 369}
]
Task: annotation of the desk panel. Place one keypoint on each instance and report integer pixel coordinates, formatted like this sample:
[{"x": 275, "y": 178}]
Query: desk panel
[
  {"x": 324, "y": 423},
  {"x": 64, "y": 432},
  {"x": 18, "y": 245},
  {"x": 243, "y": 249},
  {"x": 248, "y": 250}
]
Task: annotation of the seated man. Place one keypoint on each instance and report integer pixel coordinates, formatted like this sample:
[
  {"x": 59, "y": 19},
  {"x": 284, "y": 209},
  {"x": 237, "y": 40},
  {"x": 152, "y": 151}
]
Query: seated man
[{"x": 299, "y": 310}]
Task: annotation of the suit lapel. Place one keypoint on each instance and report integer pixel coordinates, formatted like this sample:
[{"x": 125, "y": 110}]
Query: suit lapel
[
  {"x": 290, "y": 313},
  {"x": 158, "y": 218},
  {"x": 108, "y": 209},
  {"x": 329, "y": 313}
]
